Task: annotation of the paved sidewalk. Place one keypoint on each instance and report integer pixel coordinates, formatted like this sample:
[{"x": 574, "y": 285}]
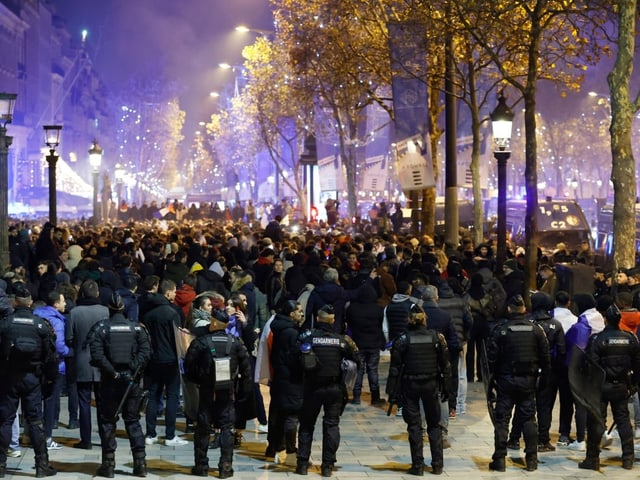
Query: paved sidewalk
[{"x": 373, "y": 446}]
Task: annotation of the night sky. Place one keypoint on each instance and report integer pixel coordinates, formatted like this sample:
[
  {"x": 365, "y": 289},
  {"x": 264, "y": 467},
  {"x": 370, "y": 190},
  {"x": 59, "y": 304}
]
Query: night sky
[{"x": 189, "y": 37}]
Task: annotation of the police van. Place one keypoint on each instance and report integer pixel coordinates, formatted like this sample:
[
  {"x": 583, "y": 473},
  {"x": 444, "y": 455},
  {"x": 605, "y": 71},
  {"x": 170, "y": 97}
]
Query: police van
[
  {"x": 604, "y": 237},
  {"x": 559, "y": 221}
]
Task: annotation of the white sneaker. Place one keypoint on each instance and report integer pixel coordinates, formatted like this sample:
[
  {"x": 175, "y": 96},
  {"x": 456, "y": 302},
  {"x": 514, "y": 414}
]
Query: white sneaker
[
  {"x": 175, "y": 441},
  {"x": 606, "y": 440},
  {"x": 577, "y": 446},
  {"x": 52, "y": 445},
  {"x": 151, "y": 440},
  {"x": 13, "y": 453},
  {"x": 263, "y": 428},
  {"x": 399, "y": 412}
]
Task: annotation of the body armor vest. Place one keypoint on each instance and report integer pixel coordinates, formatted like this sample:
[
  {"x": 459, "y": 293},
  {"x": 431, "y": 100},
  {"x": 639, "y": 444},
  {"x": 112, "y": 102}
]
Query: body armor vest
[
  {"x": 421, "y": 359},
  {"x": 122, "y": 343},
  {"x": 520, "y": 354},
  {"x": 616, "y": 359},
  {"x": 23, "y": 345},
  {"x": 328, "y": 349}
]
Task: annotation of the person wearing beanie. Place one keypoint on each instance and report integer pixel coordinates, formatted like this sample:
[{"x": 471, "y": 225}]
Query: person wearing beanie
[
  {"x": 618, "y": 353},
  {"x": 121, "y": 349}
]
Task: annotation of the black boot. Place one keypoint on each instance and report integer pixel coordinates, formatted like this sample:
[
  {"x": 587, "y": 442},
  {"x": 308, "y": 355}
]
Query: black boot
[
  {"x": 590, "y": 463},
  {"x": 108, "y": 467},
  {"x": 326, "y": 470},
  {"x": 375, "y": 397},
  {"x": 3, "y": 469},
  {"x": 225, "y": 470},
  {"x": 302, "y": 467},
  {"x": 200, "y": 470},
  {"x": 139, "y": 466},
  {"x": 497, "y": 465},
  {"x": 43, "y": 469},
  {"x": 417, "y": 470},
  {"x": 531, "y": 460}
]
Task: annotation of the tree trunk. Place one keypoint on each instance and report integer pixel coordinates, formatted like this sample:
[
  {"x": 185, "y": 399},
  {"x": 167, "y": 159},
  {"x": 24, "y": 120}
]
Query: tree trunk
[
  {"x": 531, "y": 185},
  {"x": 623, "y": 171}
]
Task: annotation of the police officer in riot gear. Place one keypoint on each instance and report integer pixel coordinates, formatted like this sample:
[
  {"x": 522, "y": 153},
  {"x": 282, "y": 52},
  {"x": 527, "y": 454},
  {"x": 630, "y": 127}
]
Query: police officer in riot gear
[
  {"x": 217, "y": 362},
  {"x": 28, "y": 361},
  {"x": 322, "y": 352},
  {"x": 420, "y": 370},
  {"x": 517, "y": 352},
  {"x": 120, "y": 348},
  {"x": 618, "y": 353}
]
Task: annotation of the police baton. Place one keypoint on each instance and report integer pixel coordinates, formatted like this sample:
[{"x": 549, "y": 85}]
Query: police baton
[{"x": 126, "y": 393}]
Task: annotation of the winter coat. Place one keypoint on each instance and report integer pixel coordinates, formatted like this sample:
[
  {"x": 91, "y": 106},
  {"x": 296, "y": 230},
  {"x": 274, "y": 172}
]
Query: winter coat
[
  {"x": 82, "y": 318},
  {"x": 364, "y": 321},
  {"x": 160, "y": 321},
  {"x": 57, "y": 321},
  {"x": 286, "y": 383}
]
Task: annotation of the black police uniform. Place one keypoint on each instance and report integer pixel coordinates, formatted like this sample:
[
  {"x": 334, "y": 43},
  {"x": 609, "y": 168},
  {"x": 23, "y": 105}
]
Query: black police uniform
[
  {"x": 216, "y": 362},
  {"x": 420, "y": 362},
  {"x": 28, "y": 360},
  {"x": 618, "y": 353},
  {"x": 120, "y": 348},
  {"x": 541, "y": 305},
  {"x": 323, "y": 388},
  {"x": 517, "y": 352}
]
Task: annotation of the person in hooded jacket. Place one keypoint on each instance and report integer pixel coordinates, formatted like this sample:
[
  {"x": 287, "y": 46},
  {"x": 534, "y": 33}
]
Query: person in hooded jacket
[
  {"x": 396, "y": 313},
  {"x": 440, "y": 321},
  {"x": 186, "y": 294},
  {"x": 364, "y": 320},
  {"x": 286, "y": 387},
  {"x": 453, "y": 302},
  {"x": 577, "y": 335}
]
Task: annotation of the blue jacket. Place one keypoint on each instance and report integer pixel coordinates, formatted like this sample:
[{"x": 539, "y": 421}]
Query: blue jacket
[{"x": 57, "y": 321}]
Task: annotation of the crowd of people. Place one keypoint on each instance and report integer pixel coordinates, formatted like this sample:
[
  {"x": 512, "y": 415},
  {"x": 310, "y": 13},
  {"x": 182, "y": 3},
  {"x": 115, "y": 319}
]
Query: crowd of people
[{"x": 270, "y": 306}]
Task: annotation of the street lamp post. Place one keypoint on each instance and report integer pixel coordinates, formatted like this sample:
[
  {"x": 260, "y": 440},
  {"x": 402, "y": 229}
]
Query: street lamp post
[
  {"x": 501, "y": 121},
  {"x": 7, "y": 102},
  {"x": 119, "y": 174},
  {"x": 95, "y": 160},
  {"x": 52, "y": 140}
]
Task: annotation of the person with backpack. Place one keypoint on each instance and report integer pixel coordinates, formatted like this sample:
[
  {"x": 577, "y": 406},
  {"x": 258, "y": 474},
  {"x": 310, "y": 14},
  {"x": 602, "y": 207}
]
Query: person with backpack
[
  {"x": 215, "y": 362},
  {"x": 420, "y": 372},
  {"x": 120, "y": 348},
  {"x": 29, "y": 361}
]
